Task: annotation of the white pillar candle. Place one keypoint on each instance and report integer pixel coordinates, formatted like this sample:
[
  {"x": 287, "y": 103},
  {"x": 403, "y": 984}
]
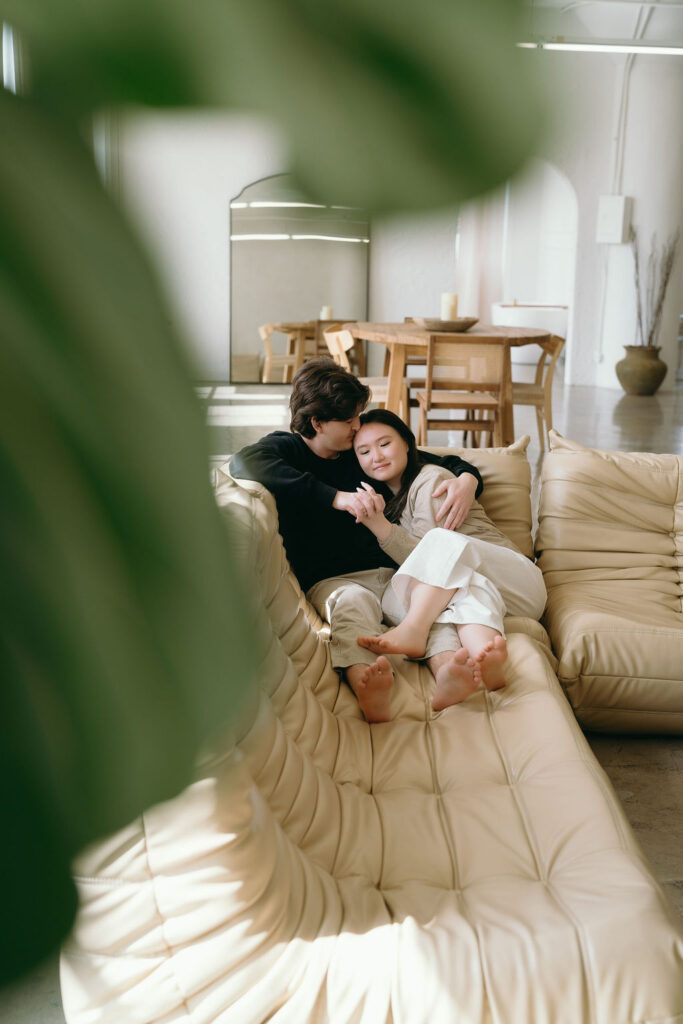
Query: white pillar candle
[
  {"x": 326, "y": 313},
  {"x": 449, "y": 306}
]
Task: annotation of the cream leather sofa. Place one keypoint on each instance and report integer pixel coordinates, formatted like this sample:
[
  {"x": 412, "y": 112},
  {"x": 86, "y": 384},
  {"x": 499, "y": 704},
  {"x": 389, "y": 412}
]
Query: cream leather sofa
[
  {"x": 610, "y": 544},
  {"x": 466, "y": 867}
]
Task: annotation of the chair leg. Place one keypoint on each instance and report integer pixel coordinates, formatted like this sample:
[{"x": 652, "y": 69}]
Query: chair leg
[
  {"x": 541, "y": 427},
  {"x": 404, "y": 408},
  {"x": 422, "y": 428},
  {"x": 477, "y": 435},
  {"x": 548, "y": 411}
]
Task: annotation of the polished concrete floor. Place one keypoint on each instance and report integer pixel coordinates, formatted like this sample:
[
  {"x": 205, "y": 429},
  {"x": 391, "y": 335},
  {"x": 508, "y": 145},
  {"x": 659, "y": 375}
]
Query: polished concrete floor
[{"x": 646, "y": 772}]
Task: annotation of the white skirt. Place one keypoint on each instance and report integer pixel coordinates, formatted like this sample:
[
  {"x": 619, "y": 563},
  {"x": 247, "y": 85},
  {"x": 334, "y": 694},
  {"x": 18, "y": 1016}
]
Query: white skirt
[{"x": 490, "y": 581}]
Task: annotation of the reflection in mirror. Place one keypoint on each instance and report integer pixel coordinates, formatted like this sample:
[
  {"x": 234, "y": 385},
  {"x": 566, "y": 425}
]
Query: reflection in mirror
[{"x": 292, "y": 263}]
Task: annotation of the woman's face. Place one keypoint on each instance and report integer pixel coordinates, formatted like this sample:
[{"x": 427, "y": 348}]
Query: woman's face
[{"x": 382, "y": 453}]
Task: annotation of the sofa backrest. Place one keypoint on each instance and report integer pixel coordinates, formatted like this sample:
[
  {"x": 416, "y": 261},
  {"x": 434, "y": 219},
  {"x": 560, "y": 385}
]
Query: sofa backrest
[
  {"x": 506, "y": 497},
  {"x": 611, "y": 516}
]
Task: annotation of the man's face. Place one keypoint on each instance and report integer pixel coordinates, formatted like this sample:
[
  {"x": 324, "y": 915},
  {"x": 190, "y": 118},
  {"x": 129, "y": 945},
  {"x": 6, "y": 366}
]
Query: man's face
[{"x": 334, "y": 436}]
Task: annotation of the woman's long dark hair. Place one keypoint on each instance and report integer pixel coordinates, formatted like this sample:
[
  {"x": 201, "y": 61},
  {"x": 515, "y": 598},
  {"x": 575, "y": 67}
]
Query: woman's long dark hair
[{"x": 397, "y": 503}]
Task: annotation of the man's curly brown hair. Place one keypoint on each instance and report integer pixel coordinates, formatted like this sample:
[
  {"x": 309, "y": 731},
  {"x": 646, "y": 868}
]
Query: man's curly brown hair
[{"x": 324, "y": 391}]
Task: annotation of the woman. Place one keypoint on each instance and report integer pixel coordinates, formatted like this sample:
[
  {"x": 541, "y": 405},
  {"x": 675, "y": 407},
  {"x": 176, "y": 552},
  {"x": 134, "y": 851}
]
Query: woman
[{"x": 471, "y": 578}]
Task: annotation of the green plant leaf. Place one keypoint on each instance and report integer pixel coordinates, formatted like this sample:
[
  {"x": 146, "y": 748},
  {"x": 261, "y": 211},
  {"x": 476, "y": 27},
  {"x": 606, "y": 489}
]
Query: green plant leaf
[
  {"x": 392, "y": 104},
  {"x": 125, "y": 632},
  {"x": 125, "y": 627}
]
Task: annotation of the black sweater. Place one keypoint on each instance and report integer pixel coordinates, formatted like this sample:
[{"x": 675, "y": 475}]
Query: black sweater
[{"x": 320, "y": 541}]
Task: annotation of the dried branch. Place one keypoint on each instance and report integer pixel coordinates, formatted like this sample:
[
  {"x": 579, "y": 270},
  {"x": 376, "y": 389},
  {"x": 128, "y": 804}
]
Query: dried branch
[
  {"x": 660, "y": 264},
  {"x": 668, "y": 258},
  {"x": 636, "y": 266}
]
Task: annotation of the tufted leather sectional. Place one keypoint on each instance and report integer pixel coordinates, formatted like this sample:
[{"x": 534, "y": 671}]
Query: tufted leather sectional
[{"x": 466, "y": 867}]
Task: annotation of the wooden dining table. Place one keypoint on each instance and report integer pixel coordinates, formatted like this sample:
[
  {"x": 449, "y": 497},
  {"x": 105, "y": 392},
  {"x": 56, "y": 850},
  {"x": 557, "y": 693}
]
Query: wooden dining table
[{"x": 408, "y": 339}]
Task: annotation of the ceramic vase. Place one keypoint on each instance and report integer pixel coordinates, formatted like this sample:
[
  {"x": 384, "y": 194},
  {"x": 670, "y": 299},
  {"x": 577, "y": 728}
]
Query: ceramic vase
[{"x": 641, "y": 371}]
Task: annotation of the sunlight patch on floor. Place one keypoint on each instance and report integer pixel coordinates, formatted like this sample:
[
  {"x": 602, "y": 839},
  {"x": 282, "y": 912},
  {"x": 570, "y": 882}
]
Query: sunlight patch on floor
[{"x": 230, "y": 415}]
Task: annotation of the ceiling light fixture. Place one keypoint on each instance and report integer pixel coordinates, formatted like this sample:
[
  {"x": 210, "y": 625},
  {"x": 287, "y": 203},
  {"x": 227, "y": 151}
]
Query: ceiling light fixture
[
  {"x": 263, "y": 204},
  {"x": 260, "y": 238},
  {"x": 603, "y": 47},
  {"x": 327, "y": 238}
]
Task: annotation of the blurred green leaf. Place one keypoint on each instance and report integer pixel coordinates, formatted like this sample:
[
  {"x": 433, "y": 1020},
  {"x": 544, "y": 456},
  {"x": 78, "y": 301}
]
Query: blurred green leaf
[
  {"x": 125, "y": 638},
  {"x": 392, "y": 104},
  {"x": 124, "y": 628}
]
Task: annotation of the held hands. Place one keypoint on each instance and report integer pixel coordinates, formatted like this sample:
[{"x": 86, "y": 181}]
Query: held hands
[
  {"x": 373, "y": 511},
  {"x": 349, "y": 501},
  {"x": 459, "y": 493},
  {"x": 367, "y": 507}
]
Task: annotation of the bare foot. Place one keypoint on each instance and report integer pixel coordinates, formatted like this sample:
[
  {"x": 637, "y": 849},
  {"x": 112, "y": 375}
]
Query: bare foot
[
  {"x": 489, "y": 665},
  {"x": 372, "y": 686},
  {"x": 454, "y": 681},
  {"x": 399, "y": 640}
]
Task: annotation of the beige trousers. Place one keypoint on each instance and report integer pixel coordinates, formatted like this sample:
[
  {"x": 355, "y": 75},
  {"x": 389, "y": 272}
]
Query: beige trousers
[{"x": 361, "y": 604}]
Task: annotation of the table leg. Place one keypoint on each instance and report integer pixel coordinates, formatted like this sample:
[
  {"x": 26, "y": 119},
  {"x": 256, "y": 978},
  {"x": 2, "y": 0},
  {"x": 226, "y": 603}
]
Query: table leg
[
  {"x": 360, "y": 358},
  {"x": 397, "y": 369},
  {"x": 507, "y": 416}
]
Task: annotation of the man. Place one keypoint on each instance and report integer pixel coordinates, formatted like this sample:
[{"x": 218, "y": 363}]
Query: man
[{"x": 313, "y": 474}]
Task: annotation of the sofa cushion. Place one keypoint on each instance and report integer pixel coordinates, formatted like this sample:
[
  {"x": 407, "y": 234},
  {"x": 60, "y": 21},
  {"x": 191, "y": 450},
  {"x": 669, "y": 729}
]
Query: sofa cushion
[
  {"x": 470, "y": 865},
  {"x": 610, "y": 539}
]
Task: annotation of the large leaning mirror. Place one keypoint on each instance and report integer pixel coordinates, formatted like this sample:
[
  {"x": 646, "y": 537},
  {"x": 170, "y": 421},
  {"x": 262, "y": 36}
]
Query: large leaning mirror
[{"x": 292, "y": 262}]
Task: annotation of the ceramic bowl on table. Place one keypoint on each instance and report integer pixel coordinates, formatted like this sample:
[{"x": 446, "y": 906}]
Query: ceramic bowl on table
[{"x": 462, "y": 323}]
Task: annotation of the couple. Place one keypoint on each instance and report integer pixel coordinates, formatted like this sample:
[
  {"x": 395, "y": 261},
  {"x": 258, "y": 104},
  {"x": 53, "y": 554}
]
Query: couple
[{"x": 350, "y": 519}]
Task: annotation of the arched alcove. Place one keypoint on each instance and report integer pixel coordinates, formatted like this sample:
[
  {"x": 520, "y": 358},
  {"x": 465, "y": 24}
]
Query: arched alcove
[{"x": 539, "y": 238}]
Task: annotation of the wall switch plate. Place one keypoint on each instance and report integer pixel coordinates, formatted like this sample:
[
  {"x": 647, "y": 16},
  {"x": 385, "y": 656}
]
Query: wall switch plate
[{"x": 614, "y": 219}]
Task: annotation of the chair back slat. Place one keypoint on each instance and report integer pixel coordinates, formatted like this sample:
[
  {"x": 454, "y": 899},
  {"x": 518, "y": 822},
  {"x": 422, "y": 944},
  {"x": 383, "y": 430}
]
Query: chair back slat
[
  {"x": 467, "y": 375},
  {"x": 339, "y": 344},
  {"x": 469, "y": 360}
]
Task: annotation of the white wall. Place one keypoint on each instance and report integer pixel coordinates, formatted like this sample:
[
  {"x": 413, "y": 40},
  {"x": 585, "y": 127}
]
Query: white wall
[
  {"x": 604, "y": 297},
  {"x": 412, "y": 261},
  {"x": 653, "y": 174},
  {"x": 179, "y": 173},
  {"x": 539, "y": 251}
]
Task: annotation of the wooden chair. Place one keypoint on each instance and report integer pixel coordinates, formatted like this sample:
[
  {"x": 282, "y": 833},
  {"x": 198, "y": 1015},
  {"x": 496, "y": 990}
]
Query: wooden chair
[
  {"x": 540, "y": 393},
  {"x": 466, "y": 376},
  {"x": 273, "y": 360},
  {"x": 340, "y": 345},
  {"x": 356, "y": 355}
]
